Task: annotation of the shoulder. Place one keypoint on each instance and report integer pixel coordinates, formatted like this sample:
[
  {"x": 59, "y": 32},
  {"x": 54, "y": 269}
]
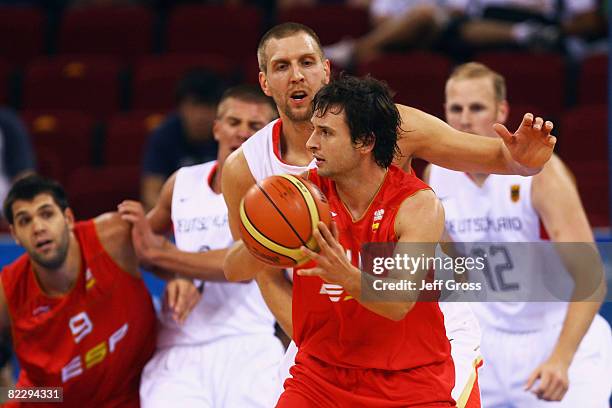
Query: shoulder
[
  {"x": 236, "y": 166},
  {"x": 420, "y": 216},
  {"x": 112, "y": 231}
]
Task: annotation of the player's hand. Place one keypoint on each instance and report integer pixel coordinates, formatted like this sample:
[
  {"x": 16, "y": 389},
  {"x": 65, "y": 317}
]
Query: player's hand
[
  {"x": 333, "y": 266},
  {"x": 532, "y": 144},
  {"x": 553, "y": 378},
  {"x": 181, "y": 297},
  {"x": 145, "y": 241}
]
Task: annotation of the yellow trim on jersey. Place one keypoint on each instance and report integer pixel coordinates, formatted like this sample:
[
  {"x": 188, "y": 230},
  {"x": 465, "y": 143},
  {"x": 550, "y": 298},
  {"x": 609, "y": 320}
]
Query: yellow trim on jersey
[
  {"x": 294, "y": 254},
  {"x": 467, "y": 390}
]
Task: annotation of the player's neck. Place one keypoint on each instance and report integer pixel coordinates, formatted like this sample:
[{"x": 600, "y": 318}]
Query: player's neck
[
  {"x": 293, "y": 138},
  {"x": 59, "y": 281},
  {"x": 478, "y": 178},
  {"x": 358, "y": 189}
]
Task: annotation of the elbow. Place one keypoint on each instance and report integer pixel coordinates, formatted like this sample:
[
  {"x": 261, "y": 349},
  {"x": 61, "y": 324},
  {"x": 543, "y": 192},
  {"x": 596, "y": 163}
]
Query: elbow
[{"x": 229, "y": 271}]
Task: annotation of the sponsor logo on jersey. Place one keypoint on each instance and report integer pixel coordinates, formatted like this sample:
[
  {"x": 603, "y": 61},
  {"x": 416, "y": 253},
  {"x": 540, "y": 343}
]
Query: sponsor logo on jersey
[
  {"x": 515, "y": 192},
  {"x": 332, "y": 290},
  {"x": 89, "y": 279},
  {"x": 378, "y": 215}
]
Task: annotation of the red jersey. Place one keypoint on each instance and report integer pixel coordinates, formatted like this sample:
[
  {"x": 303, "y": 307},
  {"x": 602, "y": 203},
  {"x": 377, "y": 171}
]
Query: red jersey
[
  {"x": 334, "y": 328},
  {"x": 94, "y": 341}
]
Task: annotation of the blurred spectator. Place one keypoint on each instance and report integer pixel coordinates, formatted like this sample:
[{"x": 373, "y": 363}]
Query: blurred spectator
[
  {"x": 532, "y": 24},
  {"x": 185, "y": 137},
  {"x": 16, "y": 153},
  {"x": 397, "y": 24},
  {"x": 284, "y": 4}
]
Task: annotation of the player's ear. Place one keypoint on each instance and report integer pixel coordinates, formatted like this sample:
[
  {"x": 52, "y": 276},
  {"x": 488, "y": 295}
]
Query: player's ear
[
  {"x": 216, "y": 125},
  {"x": 263, "y": 82},
  {"x": 327, "y": 68},
  {"x": 69, "y": 215},
  {"x": 14, "y": 235},
  {"x": 503, "y": 110}
]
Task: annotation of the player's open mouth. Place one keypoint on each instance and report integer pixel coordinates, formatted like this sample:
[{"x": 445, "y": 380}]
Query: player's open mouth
[
  {"x": 44, "y": 245},
  {"x": 298, "y": 96}
]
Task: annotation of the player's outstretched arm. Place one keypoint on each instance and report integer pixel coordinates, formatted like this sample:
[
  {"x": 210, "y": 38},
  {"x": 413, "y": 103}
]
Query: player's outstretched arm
[
  {"x": 556, "y": 199},
  {"x": 523, "y": 152},
  {"x": 155, "y": 251}
]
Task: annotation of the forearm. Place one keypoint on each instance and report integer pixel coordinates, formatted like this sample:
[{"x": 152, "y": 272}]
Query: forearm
[
  {"x": 577, "y": 322},
  {"x": 277, "y": 292},
  {"x": 239, "y": 264},
  {"x": 207, "y": 266},
  {"x": 384, "y": 304}
]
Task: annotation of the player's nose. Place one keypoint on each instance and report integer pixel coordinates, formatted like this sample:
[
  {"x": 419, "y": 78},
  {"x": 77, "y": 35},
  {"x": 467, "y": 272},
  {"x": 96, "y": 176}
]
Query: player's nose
[{"x": 296, "y": 73}]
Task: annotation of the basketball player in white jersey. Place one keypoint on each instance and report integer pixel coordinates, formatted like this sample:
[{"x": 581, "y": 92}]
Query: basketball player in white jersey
[
  {"x": 292, "y": 70},
  {"x": 533, "y": 352},
  {"x": 225, "y": 354}
]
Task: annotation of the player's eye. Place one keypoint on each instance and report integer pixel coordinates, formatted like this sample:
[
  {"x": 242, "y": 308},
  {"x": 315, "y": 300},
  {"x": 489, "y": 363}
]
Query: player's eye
[
  {"x": 23, "y": 221},
  {"x": 456, "y": 109},
  {"x": 477, "y": 108}
]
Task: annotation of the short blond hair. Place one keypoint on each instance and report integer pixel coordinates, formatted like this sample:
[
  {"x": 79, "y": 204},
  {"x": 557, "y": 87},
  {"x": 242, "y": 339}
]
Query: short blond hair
[{"x": 474, "y": 70}]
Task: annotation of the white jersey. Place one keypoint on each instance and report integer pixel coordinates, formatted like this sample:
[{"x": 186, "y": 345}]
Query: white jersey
[
  {"x": 261, "y": 152},
  {"x": 199, "y": 217},
  {"x": 501, "y": 211}
]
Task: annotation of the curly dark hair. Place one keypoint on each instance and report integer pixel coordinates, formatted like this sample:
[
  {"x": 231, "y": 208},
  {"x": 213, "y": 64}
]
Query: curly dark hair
[{"x": 371, "y": 114}]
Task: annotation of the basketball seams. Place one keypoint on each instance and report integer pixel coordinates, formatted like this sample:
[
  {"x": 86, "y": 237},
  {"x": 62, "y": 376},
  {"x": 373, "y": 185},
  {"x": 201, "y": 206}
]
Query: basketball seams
[
  {"x": 265, "y": 193},
  {"x": 294, "y": 254},
  {"x": 313, "y": 210}
]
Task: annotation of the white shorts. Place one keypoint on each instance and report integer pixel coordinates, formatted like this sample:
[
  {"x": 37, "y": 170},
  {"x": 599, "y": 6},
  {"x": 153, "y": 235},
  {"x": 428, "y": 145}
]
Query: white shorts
[
  {"x": 510, "y": 358},
  {"x": 464, "y": 335},
  {"x": 237, "y": 371}
]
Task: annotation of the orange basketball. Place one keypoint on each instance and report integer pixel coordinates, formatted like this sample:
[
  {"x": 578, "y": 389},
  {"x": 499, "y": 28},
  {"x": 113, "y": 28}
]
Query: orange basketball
[{"x": 279, "y": 215}]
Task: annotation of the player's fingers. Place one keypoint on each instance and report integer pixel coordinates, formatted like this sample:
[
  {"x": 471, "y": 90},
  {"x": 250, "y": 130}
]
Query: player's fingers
[
  {"x": 503, "y": 132},
  {"x": 328, "y": 236},
  {"x": 548, "y": 127},
  {"x": 321, "y": 241},
  {"x": 334, "y": 229},
  {"x": 538, "y": 123},
  {"x": 527, "y": 120},
  {"x": 181, "y": 308},
  {"x": 551, "y": 140},
  {"x": 545, "y": 380},
  {"x": 310, "y": 272},
  {"x": 132, "y": 219},
  {"x": 556, "y": 394},
  {"x": 532, "y": 378},
  {"x": 171, "y": 293},
  {"x": 312, "y": 255}
]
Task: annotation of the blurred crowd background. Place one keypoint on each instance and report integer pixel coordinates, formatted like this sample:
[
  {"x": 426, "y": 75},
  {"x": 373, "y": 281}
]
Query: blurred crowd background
[{"x": 111, "y": 96}]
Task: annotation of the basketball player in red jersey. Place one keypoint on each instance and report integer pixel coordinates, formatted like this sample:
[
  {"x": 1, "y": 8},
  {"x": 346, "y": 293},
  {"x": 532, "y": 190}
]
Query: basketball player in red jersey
[
  {"x": 353, "y": 351},
  {"x": 81, "y": 316},
  {"x": 292, "y": 69}
]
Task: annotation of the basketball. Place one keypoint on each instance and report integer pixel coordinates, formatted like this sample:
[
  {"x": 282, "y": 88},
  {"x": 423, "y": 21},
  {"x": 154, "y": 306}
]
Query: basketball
[{"x": 278, "y": 215}]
